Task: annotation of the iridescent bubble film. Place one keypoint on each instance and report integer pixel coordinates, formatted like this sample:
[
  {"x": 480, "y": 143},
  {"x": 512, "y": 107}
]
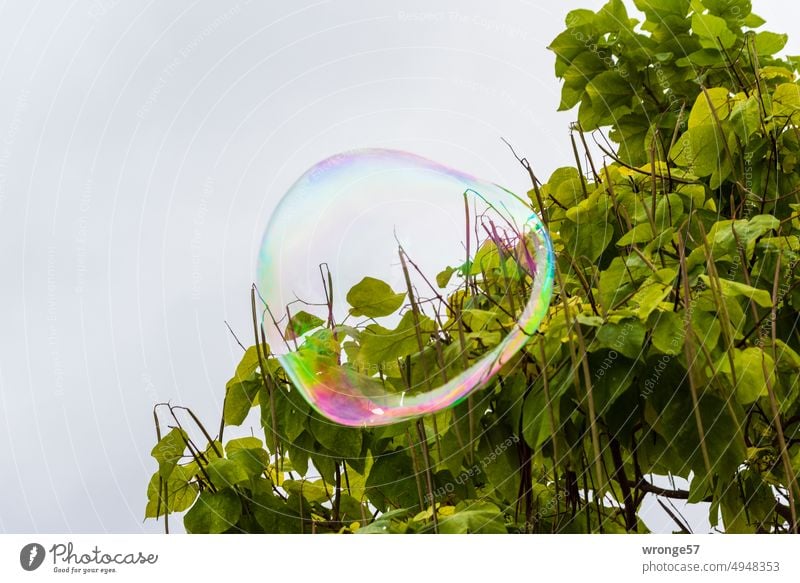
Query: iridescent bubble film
[{"x": 394, "y": 286}]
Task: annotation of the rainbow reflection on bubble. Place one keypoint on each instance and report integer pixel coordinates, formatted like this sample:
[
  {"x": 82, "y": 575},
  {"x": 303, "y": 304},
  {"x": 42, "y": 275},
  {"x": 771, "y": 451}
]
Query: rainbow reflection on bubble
[{"x": 396, "y": 286}]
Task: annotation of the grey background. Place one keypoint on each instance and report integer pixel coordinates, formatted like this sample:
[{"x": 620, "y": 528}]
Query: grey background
[{"x": 142, "y": 147}]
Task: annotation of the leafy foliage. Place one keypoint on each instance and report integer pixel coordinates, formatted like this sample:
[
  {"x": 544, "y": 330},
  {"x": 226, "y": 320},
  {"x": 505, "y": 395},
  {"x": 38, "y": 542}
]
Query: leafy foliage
[{"x": 671, "y": 346}]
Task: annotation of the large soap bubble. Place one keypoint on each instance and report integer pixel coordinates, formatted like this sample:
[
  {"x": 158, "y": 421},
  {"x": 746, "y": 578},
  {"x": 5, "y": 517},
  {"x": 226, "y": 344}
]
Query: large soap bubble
[{"x": 395, "y": 286}]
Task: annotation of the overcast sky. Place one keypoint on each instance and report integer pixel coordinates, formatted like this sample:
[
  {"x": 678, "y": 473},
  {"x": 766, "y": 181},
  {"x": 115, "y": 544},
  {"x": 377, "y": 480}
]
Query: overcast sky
[{"x": 142, "y": 148}]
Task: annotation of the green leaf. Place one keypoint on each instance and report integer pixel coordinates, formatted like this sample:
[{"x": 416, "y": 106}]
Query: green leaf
[
  {"x": 640, "y": 233},
  {"x": 589, "y": 320},
  {"x": 473, "y": 517},
  {"x": 564, "y": 187},
  {"x": 252, "y": 461},
  {"x": 751, "y": 381},
  {"x": 485, "y": 259},
  {"x": 706, "y": 329},
  {"x": 243, "y": 443},
  {"x": 299, "y": 452},
  {"x": 669, "y": 211},
  {"x": 701, "y": 58},
  {"x": 746, "y": 117},
  {"x": 620, "y": 279},
  {"x": 180, "y": 493},
  {"x": 292, "y": 412},
  {"x": 388, "y": 523},
  {"x": 702, "y": 151},
  {"x": 213, "y": 513},
  {"x": 169, "y": 450},
  {"x": 301, "y": 323},
  {"x": 726, "y": 237},
  {"x": 608, "y": 92},
  {"x": 580, "y": 69},
  {"x": 649, "y": 297},
  {"x": 788, "y": 359},
  {"x": 626, "y": 337},
  {"x": 322, "y": 342},
  {"x": 735, "y": 289},
  {"x": 579, "y": 18},
  {"x": 673, "y": 416},
  {"x": 753, "y": 21},
  {"x": 704, "y": 113},
  {"x": 224, "y": 473},
  {"x": 712, "y": 31},
  {"x": 373, "y": 298},
  {"x": 566, "y": 46},
  {"x": 769, "y": 43},
  {"x": 478, "y": 320},
  {"x": 249, "y": 364},
  {"x": 593, "y": 209},
  {"x": 380, "y": 345},
  {"x": 570, "y": 97},
  {"x": 786, "y": 99},
  {"x": 613, "y": 16},
  {"x": 500, "y": 462},
  {"x": 273, "y": 514},
  {"x": 662, "y": 9},
  {"x": 239, "y": 398},
  {"x": 443, "y": 277},
  {"x": 182, "y": 497},
  {"x": 315, "y": 491},
  {"x": 634, "y": 134},
  {"x": 773, "y": 72},
  {"x": 537, "y": 425},
  {"x": 668, "y": 333},
  {"x": 695, "y": 195},
  {"x": 734, "y": 515},
  {"x": 391, "y": 482},
  {"x": 345, "y": 441},
  {"x": 599, "y": 112},
  {"x": 612, "y": 376},
  {"x": 587, "y": 240},
  {"x": 732, "y": 10}
]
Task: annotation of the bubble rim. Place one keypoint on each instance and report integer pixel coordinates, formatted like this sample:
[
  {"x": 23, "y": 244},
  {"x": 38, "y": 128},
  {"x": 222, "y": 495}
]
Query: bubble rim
[{"x": 457, "y": 389}]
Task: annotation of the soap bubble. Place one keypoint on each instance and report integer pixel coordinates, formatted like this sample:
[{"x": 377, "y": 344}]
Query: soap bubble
[{"x": 394, "y": 286}]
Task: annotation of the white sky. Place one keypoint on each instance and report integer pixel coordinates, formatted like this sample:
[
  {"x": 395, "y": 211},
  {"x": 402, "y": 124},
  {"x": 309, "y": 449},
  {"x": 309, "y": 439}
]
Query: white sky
[{"x": 142, "y": 147}]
